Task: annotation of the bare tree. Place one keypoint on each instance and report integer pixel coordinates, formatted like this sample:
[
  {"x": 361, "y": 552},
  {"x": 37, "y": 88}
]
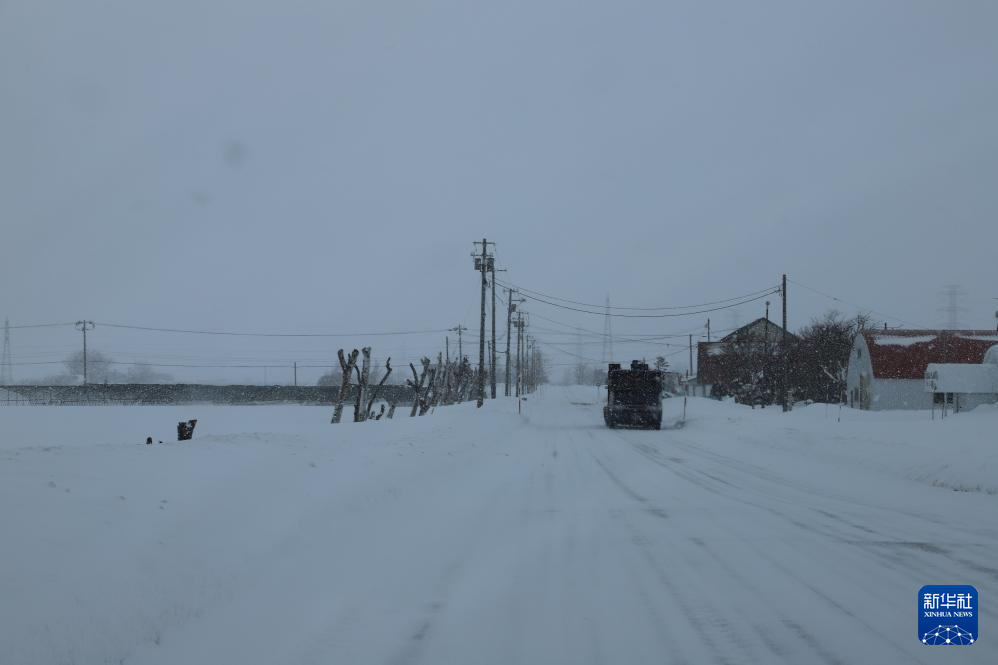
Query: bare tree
[
  {"x": 374, "y": 393},
  {"x": 416, "y": 383},
  {"x": 428, "y": 395},
  {"x": 346, "y": 367},
  {"x": 437, "y": 385},
  {"x": 360, "y": 410}
]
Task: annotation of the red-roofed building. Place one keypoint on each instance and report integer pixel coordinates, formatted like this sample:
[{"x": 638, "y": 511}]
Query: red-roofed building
[{"x": 887, "y": 367}]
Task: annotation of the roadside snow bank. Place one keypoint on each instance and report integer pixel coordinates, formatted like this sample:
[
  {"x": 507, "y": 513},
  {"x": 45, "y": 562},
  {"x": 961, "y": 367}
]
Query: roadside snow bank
[{"x": 960, "y": 452}]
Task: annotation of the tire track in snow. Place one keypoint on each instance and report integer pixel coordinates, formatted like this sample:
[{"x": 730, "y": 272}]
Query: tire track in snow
[
  {"x": 725, "y": 641},
  {"x": 817, "y": 534}
]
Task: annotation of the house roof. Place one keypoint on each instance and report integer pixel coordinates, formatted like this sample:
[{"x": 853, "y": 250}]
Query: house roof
[
  {"x": 905, "y": 354},
  {"x": 761, "y": 326}
]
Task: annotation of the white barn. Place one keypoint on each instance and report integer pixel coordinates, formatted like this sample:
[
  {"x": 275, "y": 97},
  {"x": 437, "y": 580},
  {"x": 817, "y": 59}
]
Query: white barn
[{"x": 887, "y": 368}]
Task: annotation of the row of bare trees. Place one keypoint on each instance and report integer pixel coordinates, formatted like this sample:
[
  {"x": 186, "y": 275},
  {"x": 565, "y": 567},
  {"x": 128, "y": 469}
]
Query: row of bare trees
[{"x": 440, "y": 383}]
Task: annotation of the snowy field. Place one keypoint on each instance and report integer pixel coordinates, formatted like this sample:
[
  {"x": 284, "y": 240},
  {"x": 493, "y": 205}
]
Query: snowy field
[{"x": 470, "y": 536}]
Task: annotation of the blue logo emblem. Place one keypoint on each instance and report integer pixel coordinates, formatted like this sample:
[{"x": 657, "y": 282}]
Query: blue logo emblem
[{"x": 947, "y": 614}]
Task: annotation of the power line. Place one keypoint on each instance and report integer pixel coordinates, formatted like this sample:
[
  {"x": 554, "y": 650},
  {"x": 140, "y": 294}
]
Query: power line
[
  {"x": 255, "y": 334},
  {"x": 655, "y": 316},
  {"x": 44, "y": 325},
  {"x": 846, "y": 302},
  {"x": 759, "y": 292},
  {"x": 596, "y": 333}
]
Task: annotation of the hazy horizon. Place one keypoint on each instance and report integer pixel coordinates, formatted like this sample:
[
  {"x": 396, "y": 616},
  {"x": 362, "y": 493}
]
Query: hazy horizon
[{"x": 315, "y": 167}]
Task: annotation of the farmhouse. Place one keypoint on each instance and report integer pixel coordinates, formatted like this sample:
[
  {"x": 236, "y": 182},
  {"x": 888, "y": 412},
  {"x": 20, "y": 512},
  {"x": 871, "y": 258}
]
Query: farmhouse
[
  {"x": 887, "y": 368},
  {"x": 717, "y": 366}
]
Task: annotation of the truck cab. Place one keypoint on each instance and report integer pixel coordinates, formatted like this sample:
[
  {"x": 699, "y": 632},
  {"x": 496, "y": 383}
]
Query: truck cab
[{"x": 633, "y": 396}]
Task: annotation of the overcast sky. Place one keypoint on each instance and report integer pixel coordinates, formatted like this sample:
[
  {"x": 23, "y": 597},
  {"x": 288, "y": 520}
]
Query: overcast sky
[{"x": 322, "y": 166}]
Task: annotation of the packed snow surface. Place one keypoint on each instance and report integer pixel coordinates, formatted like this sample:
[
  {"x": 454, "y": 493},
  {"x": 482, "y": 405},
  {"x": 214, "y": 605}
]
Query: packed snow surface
[{"x": 484, "y": 536}]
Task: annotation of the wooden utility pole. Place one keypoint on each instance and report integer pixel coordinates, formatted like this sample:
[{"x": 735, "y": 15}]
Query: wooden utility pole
[
  {"x": 691, "y": 356},
  {"x": 296, "y": 374},
  {"x": 84, "y": 326},
  {"x": 483, "y": 263},
  {"x": 481, "y": 334},
  {"x": 783, "y": 349},
  {"x": 510, "y": 306},
  {"x": 492, "y": 350},
  {"x": 519, "y": 340},
  {"x": 512, "y": 301},
  {"x": 459, "y": 329}
]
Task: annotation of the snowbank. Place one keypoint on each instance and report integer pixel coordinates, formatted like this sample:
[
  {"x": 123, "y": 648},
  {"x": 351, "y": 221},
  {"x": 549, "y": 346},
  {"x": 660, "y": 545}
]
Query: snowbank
[{"x": 959, "y": 452}]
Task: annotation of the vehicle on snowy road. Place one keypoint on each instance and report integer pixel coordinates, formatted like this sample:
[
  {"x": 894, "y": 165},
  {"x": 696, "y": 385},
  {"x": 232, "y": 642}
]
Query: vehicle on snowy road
[{"x": 633, "y": 396}]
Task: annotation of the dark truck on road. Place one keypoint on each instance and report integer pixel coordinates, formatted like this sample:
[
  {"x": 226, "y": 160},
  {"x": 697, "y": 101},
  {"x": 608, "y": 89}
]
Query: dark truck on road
[{"x": 633, "y": 396}]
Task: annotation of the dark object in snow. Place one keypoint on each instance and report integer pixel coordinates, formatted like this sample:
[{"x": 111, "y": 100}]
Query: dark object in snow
[
  {"x": 148, "y": 440},
  {"x": 185, "y": 430},
  {"x": 634, "y": 396}
]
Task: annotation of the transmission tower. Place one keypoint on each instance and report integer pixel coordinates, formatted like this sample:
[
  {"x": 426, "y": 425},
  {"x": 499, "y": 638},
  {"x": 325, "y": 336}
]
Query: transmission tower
[
  {"x": 607, "y": 334},
  {"x": 952, "y": 294},
  {"x": 7, "y": 362}
]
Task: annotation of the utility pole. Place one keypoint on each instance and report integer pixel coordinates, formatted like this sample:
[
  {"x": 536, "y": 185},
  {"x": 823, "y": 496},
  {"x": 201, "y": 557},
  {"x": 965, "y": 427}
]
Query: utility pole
[
  {"x": 483, "y": 264},
  {"x": 527, "y": 382},
  {"x": 691, "y": 356},
  {"x": 607, "y": 334},
  {"x": 492, "y": 353},
  {"x": 459, "y": 329},
  {"x": 783, "y": 348},
  {"x": 7, "y": 366},
  {"x": 511, "y": 307},
  {"x": 519, "y": 341},
  {"x": 296, "y": 374},
  {"x": 84, "y": 326},
  {"x": 708, "y": 330},
  {"x": 531, "y": 365},
  {"x": 447, "y": 349}
]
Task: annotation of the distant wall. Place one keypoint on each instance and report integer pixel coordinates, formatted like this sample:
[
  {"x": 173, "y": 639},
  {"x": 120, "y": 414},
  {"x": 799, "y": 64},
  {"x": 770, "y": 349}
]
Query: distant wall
[{"x": 190, "y": 393}]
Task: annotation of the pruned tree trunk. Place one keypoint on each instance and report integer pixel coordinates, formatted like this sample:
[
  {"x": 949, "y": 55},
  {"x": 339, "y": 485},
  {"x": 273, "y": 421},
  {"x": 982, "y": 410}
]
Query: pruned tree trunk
[
  {"x": 360, "y": 410},
  {"x": 377, "y": 388},
  {"x": 427, "y": 401},
  {"x": 346, "y": 365},
  {"x": 436, "y": 385},
  {"x": 465, "y": 377},
  {"x": 444, "y": 381},
  {"x": 417, "y": 384}
]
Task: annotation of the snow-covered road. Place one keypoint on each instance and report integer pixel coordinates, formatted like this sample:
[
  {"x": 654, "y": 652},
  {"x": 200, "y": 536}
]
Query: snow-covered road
[{"x": 479, "y": 537}]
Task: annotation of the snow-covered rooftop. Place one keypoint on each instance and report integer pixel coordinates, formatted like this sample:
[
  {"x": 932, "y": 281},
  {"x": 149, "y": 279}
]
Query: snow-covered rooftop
[
  {"x": 962, "y": 378},
  {"x": 896, "y": 340}
]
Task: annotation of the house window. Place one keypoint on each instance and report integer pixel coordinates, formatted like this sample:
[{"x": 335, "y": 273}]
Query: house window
[{"x": 941, "y": 398}]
